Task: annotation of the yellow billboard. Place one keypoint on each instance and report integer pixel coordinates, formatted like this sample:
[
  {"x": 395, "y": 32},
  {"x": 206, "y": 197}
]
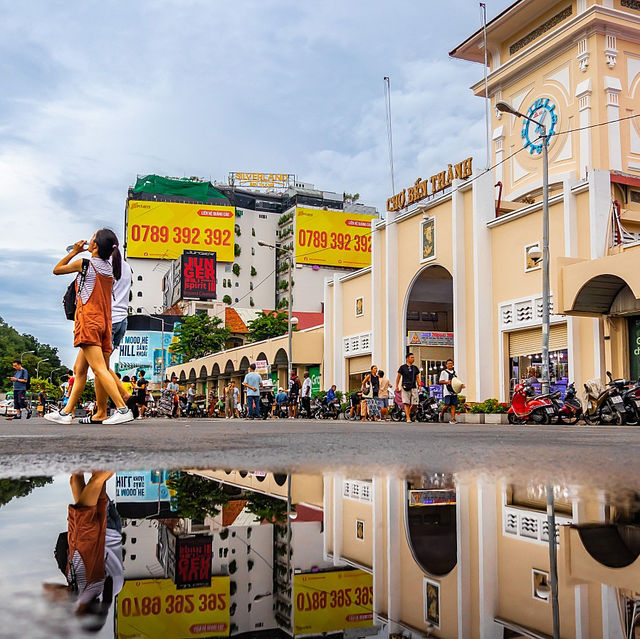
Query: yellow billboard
[
  {"x": 333, "y": 238},
  {"x": 328, "y": 601},
  {"x": 156, "y": 608},
  {"x": 162, "y": 230}
]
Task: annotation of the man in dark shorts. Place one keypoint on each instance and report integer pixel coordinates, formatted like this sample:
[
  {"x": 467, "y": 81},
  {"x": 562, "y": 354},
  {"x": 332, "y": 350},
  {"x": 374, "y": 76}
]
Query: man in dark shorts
[
  {"x": 141, "y": 393},
  {"x": 355, "y": 399},
  {"x": 410, "y": 376},
  {"x": 20, "y": 379},
  {"x": 294, "y": 393}
]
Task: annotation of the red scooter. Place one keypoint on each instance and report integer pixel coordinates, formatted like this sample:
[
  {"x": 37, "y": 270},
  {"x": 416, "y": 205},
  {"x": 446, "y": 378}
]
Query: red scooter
[{"x": 538, "y": 410}]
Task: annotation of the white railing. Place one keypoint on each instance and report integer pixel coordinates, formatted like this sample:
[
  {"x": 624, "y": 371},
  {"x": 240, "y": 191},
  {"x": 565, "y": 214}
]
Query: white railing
[
  {"x": 524, "y": 313},
  {"x": 358, "y": 490},
  {"x": 354, "y": 345},
  {"x": 530, "y": 525}
]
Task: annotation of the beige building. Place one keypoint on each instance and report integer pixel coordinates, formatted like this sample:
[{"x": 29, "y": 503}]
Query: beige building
[{"x": 452, "y": 272}]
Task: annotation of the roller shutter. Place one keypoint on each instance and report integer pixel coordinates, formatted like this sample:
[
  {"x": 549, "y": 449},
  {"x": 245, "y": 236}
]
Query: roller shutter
[{"x": 529, "y": 341}]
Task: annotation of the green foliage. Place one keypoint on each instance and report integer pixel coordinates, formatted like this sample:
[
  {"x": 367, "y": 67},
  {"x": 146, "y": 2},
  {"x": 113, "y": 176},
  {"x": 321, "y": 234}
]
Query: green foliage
[
  {"x": 268, "y": 325},
  {"x": 13, "y": 344},
  {"x": 348, "y": 197},
  {"x": 52, "y": 390},
  {"x": 13, "y": 488},
  {"x": 89, "y": 392},
  {"x": 197, "y": 497},
  {"x": 488, "y": 406},
  {"x": 283, "y": 303},
  {"x": 236, "y": 250},
  {"x": 266, "y": 508},
  {"x": 227, "y": 299},
  {"x": 253, "y": 271},
  {"x": 200, "y": 335},
  {"x": 283, "y": 219},
  {"x": 238, "y": 233},
  {"x": 236, "y": 269}
]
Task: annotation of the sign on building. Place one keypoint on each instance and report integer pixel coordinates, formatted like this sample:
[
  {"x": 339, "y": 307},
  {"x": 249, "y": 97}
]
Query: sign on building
[
  {"x": 143, "y": 350},
  {"x": 198, "y": 275},
  {"x": 430, "y": 338},
  {"x": 262, "y": 180}
]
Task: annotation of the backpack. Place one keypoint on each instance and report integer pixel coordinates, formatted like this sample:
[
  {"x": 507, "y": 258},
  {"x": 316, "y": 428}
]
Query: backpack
[
  {"x": 69, "y": 301},
  {"x": 28, "y": 381}
]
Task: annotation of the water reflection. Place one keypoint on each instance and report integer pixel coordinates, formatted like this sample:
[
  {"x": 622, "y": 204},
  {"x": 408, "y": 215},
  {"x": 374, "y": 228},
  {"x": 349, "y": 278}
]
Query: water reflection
[{"x": 219, "y": 553}]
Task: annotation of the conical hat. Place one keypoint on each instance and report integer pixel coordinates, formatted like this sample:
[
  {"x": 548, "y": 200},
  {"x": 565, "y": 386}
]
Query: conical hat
[{"x": 456, "y": 384}]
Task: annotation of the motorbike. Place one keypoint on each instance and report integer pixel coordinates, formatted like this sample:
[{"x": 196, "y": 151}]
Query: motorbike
[
  {"x": 281, "y": 410},
  {"x": 523, "y": 410},
  {"x": 631, "y": 400},
  {"x": 568, "y": 411},
  {"x": 327, "y": 410},
  {"x": 427, "y": 410},
  {"x": 607, "y": 406}
]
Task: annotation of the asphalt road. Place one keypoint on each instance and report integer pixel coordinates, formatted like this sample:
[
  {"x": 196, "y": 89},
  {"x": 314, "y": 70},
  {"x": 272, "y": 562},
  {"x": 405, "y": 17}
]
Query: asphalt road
[{"x": 581, "y": 454}]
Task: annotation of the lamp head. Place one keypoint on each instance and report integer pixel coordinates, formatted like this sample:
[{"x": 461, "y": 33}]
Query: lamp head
[
  {"x": 505, "y": 107},
  {"x": 294, "y": 320},
  {"x": 535, "y": 254}
]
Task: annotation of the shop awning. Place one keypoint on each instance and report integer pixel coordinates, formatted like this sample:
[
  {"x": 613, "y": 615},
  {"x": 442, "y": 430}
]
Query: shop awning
[{"x": 589, "y": 287}]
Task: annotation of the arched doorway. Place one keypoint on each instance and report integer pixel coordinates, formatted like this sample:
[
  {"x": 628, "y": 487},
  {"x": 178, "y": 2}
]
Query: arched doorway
[{"x": 428, "y": 322}]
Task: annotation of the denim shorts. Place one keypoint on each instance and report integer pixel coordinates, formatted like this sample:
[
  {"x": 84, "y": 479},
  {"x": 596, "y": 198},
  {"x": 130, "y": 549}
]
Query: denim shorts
[
  {"x": 383, "y": 402},
  {"x": 117, "y": 332},
  {"x": 450, "y": 400}
]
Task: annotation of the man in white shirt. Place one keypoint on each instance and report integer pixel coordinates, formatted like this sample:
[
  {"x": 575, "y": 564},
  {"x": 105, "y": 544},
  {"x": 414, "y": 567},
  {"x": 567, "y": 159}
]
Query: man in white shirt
[
  {"x": 449, "y": 396},
  {"x": 306, "y": 394}
]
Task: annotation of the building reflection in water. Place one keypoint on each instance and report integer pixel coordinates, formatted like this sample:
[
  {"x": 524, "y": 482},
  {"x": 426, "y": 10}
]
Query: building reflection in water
[{"x": 218, "y": 553}]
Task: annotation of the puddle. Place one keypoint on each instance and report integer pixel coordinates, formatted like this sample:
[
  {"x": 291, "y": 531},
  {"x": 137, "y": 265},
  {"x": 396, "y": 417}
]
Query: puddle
[{"x": 196, "y": 553}]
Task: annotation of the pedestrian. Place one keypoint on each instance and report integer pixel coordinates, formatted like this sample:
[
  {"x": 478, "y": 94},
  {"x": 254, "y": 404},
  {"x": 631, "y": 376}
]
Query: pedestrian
[
  {"x": 355, "y": 399},
  {"x": 372, "y": 383},
  {"x": 252, "y": 382},
  {"x": 294, "y": 393},
  {"x": 165, "y": 403},
  {"x": 280, "y": 406},
  {"x": 410, "y": 376},
  {"x": 128, "y": 386},
  {"x": 449, "y": 393},
  {"x": 66, "y": 388},
  {"x": 191, "y": 396},
  {"x": 331, "y": 394},
  {"x": 306, "y": 394},
  {"x": 174, "y": 387},
  {"x": 141, "y": 386},
  {"x": 20, "y": 381},
  {"x": 92, "y": 324},
  {"x": 383, "y": 395},
  {"x": 42, "y": 400},
  {"x": 229, "y": 398}
]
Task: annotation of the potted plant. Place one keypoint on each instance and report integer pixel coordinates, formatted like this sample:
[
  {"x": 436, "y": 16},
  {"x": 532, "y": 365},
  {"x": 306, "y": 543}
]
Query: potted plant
[
  {"x": 475, "y": 414},
  {"x": 495, "y": 412}
]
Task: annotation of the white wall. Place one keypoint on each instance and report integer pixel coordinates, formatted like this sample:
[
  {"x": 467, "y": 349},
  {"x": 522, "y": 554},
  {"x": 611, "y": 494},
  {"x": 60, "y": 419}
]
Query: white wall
[{"x": 140, "y": 549}]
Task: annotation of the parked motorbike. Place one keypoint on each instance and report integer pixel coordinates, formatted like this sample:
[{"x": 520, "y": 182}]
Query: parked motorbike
[
  {"x": 607, "y": 406},
  {"x": 631, "y": 400},
  {"x": 569, "y": 410},
  {"x": 527, "y": 410},
  {"x": 282, "y": 410},
  {"x": 427, "y": 408},
  {"x": 327, "y": 410}
]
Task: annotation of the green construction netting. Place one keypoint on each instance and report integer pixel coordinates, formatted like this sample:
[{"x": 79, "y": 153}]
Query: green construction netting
[{"x": 202, "y": 191}]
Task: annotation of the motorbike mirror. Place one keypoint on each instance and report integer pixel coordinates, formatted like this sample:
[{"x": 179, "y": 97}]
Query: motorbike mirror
[{"x": 609, "y": 375}]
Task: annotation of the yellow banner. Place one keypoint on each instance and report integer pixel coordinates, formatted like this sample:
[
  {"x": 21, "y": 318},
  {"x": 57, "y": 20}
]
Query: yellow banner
[
  {"x": 162, "y": 230},
  {"x": 156, "y": 608},
  {"x": 328, "y": 601},
  {"x": 333, "y": 238}
]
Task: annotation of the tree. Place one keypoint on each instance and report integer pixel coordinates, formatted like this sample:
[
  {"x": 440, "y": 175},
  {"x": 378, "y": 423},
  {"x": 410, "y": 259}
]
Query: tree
[
  {"x": 11, "y": 488},
  {"x": 236, "y": 269},
  {"x": 227, "y": 299},
  {"x": 197, "y": 497},
  {"x": 266, "y": 508},
  {"x": 268, "y": 325},
  {"x": 200, "y": 335}
]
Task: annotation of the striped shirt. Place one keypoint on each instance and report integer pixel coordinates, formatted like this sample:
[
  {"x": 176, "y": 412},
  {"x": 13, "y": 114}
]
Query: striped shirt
[
  {"x": 96, "y": 265},
  {"x": 86, "y": 592}
]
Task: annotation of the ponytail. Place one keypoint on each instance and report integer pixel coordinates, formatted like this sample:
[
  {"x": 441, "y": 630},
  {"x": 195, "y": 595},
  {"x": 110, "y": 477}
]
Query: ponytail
[{"x": 108, "y": 243}]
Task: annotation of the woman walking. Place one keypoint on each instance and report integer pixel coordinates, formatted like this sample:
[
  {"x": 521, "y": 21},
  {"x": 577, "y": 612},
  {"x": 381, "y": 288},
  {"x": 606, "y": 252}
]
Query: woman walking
[
  {"x": 92, "y": 324},
  {"x": 372, "y": 382}
]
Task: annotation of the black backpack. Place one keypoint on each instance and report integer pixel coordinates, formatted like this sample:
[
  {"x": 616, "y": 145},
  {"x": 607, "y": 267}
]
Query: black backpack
[{"x": 69, "y": 301}]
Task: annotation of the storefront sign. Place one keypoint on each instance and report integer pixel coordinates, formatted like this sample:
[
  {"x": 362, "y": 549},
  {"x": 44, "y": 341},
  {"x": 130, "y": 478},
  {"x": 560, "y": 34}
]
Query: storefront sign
[
  {"x": 333, "y": 238},
  {"x": 155, "y": 608},
  {"x": 262, "y": 180},
  {"x": 428, "y": 187},
  {"x": 162, "y": 230},
  {"x": 198, "y": 275},
  {"x": 314, "y": 374},
  {"x": 193, "y": 561},
  {"x": 430, "y": 338},
  {"x": 143, "y": 485},
  {"x": 329, "y": 601},
  {"x": 262, "y": 366},
  {"x": 435, "y": 497}
]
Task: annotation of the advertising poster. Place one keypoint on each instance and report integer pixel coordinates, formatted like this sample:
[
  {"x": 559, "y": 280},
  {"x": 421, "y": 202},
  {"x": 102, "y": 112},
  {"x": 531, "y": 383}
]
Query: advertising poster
[
  {"x": 198, "y": 275},
  {"x": 143, "y": 350},
  {"x": 142, "y": 485},
  {"x": 162, "y": 230},
  {"x": 156, "y": 608},
  {"x": 329, "y": 601},
  {"x": 314, "y": 374},
  {"x": 193, "y": 561},
  {"x": 333, "y": 238}
]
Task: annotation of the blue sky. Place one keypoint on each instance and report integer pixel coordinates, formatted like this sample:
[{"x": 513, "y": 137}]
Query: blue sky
[{"x": 95, "y": 93}]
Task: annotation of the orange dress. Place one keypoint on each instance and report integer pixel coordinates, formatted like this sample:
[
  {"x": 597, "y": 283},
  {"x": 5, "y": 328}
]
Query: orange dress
[{"x": 93, "y": 317}]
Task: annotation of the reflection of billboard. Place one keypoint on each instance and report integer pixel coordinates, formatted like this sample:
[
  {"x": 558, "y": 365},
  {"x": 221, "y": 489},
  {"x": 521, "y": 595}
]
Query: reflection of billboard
[
  {"x": 198, "y": 275},
  {"x": 162, "y": 230},
  {"x": 333, "y": 238},
  {"x": 336, "y": 600},
  {"x": 193, "y": 561},
  {"x": 156, "y": 608},
  {"x": 142, "y": 485},
  {"x": 143, "y": 350},
  {"x": 433, "y": 497}
]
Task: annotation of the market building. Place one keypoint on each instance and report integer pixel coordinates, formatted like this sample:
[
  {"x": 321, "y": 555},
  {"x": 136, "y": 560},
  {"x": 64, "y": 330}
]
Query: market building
[{"x": 454, "y": 261}]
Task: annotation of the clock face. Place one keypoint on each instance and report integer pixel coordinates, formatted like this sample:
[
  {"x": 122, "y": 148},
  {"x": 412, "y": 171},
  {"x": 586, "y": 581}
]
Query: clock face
[{"x": 543, "y": 111}]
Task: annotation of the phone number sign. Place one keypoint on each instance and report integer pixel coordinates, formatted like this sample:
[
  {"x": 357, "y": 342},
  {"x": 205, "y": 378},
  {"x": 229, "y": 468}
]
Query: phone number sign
[
  {"x": 333, "y": 238},
  {"x": 336, "y": 600},
  {"x": 156, "y": 608},
  {"x": 162, "y": 230}
]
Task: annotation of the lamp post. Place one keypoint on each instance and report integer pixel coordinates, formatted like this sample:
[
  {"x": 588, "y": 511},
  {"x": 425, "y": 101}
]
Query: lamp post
[
  {"x": 53, "y": 371},
  {"x": 504, "y": 107},
  {"x": 46, "y": 359},
  {"x": 23, "y": 354},
  {"x": 291, "y": 321}
]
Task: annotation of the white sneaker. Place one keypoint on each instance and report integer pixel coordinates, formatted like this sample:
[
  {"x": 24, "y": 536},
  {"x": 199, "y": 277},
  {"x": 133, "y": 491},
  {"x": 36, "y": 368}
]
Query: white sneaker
[
  {"x": 59, "y": 418},
  {"x": 120, "y": 417}
]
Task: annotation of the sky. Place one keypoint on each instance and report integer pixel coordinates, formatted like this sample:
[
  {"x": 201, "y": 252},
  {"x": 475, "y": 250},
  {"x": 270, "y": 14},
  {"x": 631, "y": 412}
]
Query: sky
[{"x": 96, "y": 93}]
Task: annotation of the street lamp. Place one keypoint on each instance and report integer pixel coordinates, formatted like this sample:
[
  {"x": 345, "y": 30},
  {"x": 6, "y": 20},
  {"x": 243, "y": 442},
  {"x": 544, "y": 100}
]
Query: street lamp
[
  {"x": 291, "y": 321},
  {"x": 504, "y": 107},
  {"x": 53, "y": 371},
  {"x": 46, "y": 359},
  {"x": 23, "y": 354}
]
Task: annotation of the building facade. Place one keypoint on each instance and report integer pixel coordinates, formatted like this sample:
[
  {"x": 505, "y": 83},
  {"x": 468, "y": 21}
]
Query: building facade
[{"x": 452, "y": 262}]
